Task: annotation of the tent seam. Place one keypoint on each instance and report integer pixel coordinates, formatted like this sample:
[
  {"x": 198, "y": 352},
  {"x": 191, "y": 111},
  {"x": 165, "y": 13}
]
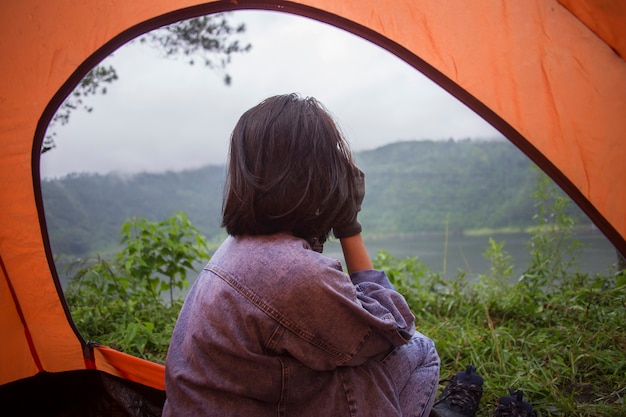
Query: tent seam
[{"x": 20, "y": 313}]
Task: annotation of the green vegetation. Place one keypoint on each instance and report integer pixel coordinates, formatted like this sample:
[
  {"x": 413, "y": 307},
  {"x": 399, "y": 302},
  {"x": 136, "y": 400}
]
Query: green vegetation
[
  {"x": 565, "y": 347},
  {"x": 120, "y": 303}
]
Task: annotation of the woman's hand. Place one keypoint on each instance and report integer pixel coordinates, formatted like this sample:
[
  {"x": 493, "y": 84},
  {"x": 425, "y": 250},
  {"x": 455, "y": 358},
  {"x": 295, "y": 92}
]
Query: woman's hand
[{"x": 352, "y": 227}]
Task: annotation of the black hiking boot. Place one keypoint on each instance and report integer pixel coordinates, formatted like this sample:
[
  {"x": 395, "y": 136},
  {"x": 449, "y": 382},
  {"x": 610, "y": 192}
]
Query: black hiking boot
[
  {"x": 461, "y": 396},
  {"x": 513, "y": 406}
]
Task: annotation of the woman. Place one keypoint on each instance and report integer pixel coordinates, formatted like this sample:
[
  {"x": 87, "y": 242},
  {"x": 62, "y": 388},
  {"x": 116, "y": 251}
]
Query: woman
[{"x": 271, "y": 327}]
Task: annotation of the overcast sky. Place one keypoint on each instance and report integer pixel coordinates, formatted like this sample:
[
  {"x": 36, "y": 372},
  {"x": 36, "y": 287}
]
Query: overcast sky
[{"x": 164, "y": 114}]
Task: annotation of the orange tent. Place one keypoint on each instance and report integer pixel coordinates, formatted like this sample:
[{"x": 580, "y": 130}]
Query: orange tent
[{"x": 549, "y": 74}]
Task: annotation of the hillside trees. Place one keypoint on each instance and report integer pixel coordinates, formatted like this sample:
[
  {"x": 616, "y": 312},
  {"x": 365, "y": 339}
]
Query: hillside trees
[
  {"x": 416, "y": 187},
  {"x": 84, "y": 213}
]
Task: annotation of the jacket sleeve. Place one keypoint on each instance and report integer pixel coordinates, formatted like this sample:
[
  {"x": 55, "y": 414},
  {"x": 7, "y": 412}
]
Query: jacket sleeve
[
  {"x": 379, "y": 298},
  {"x": 344, "y": 320}
]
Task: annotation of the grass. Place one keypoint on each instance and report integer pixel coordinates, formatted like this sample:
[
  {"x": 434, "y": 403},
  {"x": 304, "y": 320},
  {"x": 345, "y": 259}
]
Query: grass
[{"x": 563, "y": 345}]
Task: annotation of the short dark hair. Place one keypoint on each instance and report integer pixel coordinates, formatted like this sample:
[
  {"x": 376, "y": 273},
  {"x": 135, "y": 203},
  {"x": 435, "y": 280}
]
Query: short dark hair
[{"x": 289, "y": 170}]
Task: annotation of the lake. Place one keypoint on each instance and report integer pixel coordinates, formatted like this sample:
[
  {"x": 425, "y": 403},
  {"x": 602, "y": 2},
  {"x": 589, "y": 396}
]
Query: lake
[{"x": 466, "y": 252}]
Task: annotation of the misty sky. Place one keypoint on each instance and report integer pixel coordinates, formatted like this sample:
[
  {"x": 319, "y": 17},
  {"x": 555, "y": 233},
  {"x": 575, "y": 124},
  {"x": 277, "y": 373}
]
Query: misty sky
[{"x": 164, "y": 114}]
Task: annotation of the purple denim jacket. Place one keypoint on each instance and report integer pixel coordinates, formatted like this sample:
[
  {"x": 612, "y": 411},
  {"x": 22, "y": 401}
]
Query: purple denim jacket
[{"x": 273, "y": 328}]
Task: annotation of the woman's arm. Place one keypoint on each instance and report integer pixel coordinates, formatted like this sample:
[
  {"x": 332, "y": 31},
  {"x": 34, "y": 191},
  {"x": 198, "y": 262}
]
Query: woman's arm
[{"x": 355, "y": 253}]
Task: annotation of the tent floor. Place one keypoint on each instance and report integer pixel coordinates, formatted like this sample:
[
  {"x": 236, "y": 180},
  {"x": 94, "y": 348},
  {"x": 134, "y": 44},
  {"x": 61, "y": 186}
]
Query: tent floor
[{"x": 88, "y": 393}]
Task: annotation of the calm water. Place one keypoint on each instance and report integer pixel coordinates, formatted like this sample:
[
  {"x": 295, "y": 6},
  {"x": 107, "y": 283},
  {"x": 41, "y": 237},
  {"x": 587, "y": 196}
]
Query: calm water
[{"x": 466, "y": 252}]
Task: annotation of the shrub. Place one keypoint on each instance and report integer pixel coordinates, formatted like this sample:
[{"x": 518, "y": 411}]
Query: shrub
[{"x": 120, "y": 303}]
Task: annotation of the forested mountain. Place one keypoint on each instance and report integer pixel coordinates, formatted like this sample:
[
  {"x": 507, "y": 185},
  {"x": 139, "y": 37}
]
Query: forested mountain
[
  {"x": 85, "y": 212},
  {"x": 420, "y": 186},
  {"x": 411, "y": 187}
]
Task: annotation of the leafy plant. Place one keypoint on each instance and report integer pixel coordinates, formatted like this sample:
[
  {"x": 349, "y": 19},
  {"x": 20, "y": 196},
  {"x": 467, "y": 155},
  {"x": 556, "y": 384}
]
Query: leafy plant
[
  {"x": 495, "y": 284},
  {"x": 119, "y": 302},
  {"x": 553, "y": 249},
  {"x": 159, "y": 254}
]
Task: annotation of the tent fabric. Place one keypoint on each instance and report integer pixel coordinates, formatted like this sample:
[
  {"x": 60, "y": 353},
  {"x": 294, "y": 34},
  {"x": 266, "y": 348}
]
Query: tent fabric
[
  {"x": 550, "y": 75},
  {"x": 605, "y": 18}
]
